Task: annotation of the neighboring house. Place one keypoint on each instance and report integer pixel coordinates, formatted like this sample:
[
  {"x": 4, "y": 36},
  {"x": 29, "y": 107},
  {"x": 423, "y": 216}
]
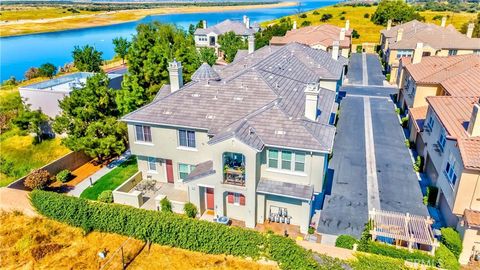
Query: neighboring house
[
  {"x": 208, "y": 36},
  {"x": 46, "y": 95},
  {"x": 424, "y": 76},
  {"x": 451, "y": 147},
  {"x": 249, "y": 140},
  {"x": 321, "y": 37},
  {"x": 401, "y": 40}
]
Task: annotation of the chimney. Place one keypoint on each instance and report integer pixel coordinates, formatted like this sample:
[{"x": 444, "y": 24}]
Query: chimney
[
  {"x": 470, "y": 28},
  {"x": 417, "y": 54},
  {"x": 347, "y": 25},
  {"x": 335, "y": 49},
  {"x": 444, "y": 21},
  {"x": 342, "y": 33},
  {"x": 294, "y": 25},
  {"x": 311, "y": 100},
  {"x": 474, "y": 124},
  {"x": 399, "y": 34},
  {"x": 244, "y": 19},
  {"x": 176, "y": 76},
  {"x": 389, "y": 24},
  {"x": 247, "y": 23},
  {"x": 251, "y": 44},
  {"x": 204, "y": 24}
]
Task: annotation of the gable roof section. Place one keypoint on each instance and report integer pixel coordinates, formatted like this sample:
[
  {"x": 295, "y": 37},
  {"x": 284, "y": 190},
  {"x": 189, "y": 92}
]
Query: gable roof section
[
  {"x": 466, "y": 83},
  {"x": 226, "y": 26},
  {"x": 324, "y": 35}
]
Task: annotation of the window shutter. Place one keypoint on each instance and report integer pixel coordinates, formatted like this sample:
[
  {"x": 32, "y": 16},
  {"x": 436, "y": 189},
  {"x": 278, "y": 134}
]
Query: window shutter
[
  {"x": 230, "y": 197},
  {"x": 242, "y": 199}
]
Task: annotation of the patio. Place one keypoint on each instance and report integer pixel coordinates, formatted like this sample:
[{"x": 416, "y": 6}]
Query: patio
[{"x": 152, "y": 189}]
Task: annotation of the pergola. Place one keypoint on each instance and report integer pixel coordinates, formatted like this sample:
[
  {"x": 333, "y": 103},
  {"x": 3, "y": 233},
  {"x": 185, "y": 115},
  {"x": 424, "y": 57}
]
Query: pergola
[{"x": 405, "y": 227}]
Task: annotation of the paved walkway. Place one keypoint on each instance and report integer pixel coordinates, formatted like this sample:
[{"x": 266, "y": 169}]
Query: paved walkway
[
  {"x": 15, "y": 200},
  {"x": 336, "y": 252},
  {"x": 80, "y": 187}
]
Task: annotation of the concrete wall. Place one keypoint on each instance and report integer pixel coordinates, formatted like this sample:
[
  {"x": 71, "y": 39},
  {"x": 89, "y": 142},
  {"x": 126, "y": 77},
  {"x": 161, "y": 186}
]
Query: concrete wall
[
  {"x": 122, "y": 194},
  {"x": 70, "y": 161},
  {"x": 468, "y": 192}
]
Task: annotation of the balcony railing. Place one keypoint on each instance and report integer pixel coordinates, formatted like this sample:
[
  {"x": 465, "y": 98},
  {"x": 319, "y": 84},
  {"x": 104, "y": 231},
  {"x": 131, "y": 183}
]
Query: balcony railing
[{"x": 234, "y": 176}]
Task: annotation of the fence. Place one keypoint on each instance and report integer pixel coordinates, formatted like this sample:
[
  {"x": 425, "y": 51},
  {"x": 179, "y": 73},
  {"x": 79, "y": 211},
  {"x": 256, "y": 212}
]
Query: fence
[{"x": 123, "y": 255}]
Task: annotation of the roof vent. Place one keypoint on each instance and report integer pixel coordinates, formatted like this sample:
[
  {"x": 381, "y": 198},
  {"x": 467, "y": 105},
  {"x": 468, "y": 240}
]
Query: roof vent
[
  {"x": 195, "y": 95},
  {"x": 251, "y": 130},
  {"x": 280, "y": 132},
  {"x": 238, "y": 98},
  {"x": 210, "y": 116},
  {"x": 167, "y": 112}
]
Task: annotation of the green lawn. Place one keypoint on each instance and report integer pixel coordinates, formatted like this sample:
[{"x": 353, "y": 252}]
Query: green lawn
[{"x": 112, "y": 180}]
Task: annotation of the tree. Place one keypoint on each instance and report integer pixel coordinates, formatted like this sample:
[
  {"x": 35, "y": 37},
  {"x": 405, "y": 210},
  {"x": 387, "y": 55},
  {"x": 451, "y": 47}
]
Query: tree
[
  {"x": 306, "y": 23},
  {"x": 263, "y": 37},
  {"x": 121, "y": 47},
  {"x": 192, "y": 28},
  {"x": 476, "y": 29},
  {"x": 230, "y": 43},
  {"x": 152, "y": 48},
  {"x": 208, "y": 55},
  {"x": 87, "y": 58},
  {"x": 355, "y": 34},
  {"x": 38, "y": 179},
  {"x": 30, "y": 121},
  {"x": 90, "y": 119},
  {"x": 325, "y": 17},
  {"x": 32, "y": 73},
  {"x": 47, "y": 70},
  {"x": 396, "y": 10}
]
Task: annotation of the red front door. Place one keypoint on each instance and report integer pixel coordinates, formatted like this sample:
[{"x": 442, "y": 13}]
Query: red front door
[
  {"x": 169, "y": 171},
  {"x": 210, "y": 200}
]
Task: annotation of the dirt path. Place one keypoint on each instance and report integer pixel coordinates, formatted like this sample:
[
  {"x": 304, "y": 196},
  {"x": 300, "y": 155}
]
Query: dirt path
[{"x": 15, "y": 200}]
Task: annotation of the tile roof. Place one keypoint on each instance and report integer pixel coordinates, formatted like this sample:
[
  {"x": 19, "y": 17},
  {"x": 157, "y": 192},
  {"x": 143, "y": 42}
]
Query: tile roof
[
  {"x": 472, "y": 218},
  {"x": 437, "y": 69},
  {"x": 430, "y": 35},
  {"x": 201, "y": 170},
  {"x": 205, "y": 72},
  {"x": 466, "y": 83},
  {"x": 226, "y": 26},
  {"x": 291, "y": 190},
  {"x": 454, "y": 113},
  {"x": 264, "y": 93},
  {"x": 418, "y": 115},
  {"x": 324, "y": 34}
]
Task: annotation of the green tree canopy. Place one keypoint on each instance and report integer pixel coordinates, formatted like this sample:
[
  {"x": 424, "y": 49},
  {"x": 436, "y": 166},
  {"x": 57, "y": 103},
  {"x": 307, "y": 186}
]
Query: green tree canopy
[
  {"x": 208, "y": 55},
  {"x": 230, "y": 43},
  {"x": 152, "y": 48},
  {"x": 121, "y": 46},
  {"x": 476, "y": 29},
  {"x": 396, "y": 10},
  {"x": 90, "y": 119},
  {"x": 47, "y": 70},
  {"x": 263, "y": 37},
  {"x": 30, "y": 120},
  {"x": 87, "y": 58}
]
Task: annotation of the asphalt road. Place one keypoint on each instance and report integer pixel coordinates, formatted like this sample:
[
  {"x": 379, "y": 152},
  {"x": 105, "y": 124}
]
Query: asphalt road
[{"x": 345, "y": 210}]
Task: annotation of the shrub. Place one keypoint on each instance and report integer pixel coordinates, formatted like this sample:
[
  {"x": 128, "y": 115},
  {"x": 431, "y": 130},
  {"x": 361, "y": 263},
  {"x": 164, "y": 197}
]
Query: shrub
[
  {"x": 31, "y": 73},
  {"x": 376, "y": 262},
  {"x": 407, "y": 143},
  {"x": 316, "y": 13},
  {"x": 418, "y": 165},
  {"x": 342, "y": 18},
  {"x": 366, "y": 15},
  {"x": 404, "y": 121},
  {"x": 106, "y": 196},
  {"x": 398, "y": 110},
  {"x": 345, "y": 241},
  {"x": 387, "y": 77},
  {"x": 326, "y": 17},
  {"x": 451, "y": 239},
  {"x": 303, "y": 16},
  {"x": 38, "y": 179},
  {"x": 359, "y": 48},
  {"x": 399, "y": 253},
  {"x": 355, "y": 34},
  {"x": 431, "y": 196},
  {"x": 166, "y": 205},
  {"x": 446, "y": 259},
  {"x": 63, "y": 176},
  {"x": 311, "y": 230},
  {"x": 306, "y": 23},
  {"x": 173, "y": 230},
  {"x": 190, "y": 210}
]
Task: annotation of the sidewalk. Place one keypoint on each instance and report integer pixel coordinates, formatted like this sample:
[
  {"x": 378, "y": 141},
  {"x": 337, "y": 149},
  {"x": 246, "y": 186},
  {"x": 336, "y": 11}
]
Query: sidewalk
[{"x": 80, "y": 187}]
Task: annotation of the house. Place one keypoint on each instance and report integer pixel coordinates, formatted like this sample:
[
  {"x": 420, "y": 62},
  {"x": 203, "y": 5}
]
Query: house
[
  {"x": 451, "y": 147},
  {"x": 401, "y": 40},
  {"x": 249, "y": 140},
  {"x": 45, "y": 95},
  {"x": 320, "y": 37},
  {"x": 208, "y": 36},
  {"x": 424, "y": 76}
]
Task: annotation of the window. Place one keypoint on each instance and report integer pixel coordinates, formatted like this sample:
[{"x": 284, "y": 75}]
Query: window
[
  {"x": 152, "y": 165},
  {"x": 184, "y": 170},
  {"x": 452, "y": 52},
  {"x": 442, "y": 140},
  {"x": 430, "y": 123},
  {"x": 404, "y": 53},
  {"x": 289, "y": 161},
  {"x": 477, "y": 52},
  {"x": 143, "y": 133},
  {"x": 235, "y": 198},
  {"x": 450, "y": 171},
  {"x": 186, "y": 138}
]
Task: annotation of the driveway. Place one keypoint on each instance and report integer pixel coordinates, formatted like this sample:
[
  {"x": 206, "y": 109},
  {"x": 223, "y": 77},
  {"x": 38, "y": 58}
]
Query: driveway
[
  {"x": 365, "y": 69},
  {"x": 371, "y": 166}
]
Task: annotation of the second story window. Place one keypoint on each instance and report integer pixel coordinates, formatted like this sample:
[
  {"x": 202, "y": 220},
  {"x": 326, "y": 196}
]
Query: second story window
[
  {"x": 143, "y": 133},
  {"x": 430, "y": 123},
  {"x": 404, "y": 53},
  {"x": 452, "y": 52},
  {"x": 442, "y": 140},
  {"x": 286, "y": 160},
  {"x": 184, "y": 170},
  {"x": 186, "y": 138},
  {"x": 450, "y": 171}
]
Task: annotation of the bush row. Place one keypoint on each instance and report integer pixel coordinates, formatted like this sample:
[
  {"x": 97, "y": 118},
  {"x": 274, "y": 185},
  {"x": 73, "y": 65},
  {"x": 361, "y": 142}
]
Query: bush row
[
  {"x": 452, "y": 240},
  {"x": 172, "y": 230}
]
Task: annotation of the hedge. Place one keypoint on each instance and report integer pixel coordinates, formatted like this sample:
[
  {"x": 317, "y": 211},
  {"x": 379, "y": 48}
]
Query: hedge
[
  {"x": 452, "y": 240},
  {"x": 172, "y": 230},
  {"x": 345, "y": 241},
  {"x": 446, "y": 259},
  {"x": 399, "y": 253},
  {"x": 377, "y": 262}
]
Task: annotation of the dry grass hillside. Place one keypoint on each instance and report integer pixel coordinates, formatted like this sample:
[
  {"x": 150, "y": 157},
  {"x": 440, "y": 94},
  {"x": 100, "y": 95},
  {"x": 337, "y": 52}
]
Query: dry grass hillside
[{"x": 40, "y": 243}]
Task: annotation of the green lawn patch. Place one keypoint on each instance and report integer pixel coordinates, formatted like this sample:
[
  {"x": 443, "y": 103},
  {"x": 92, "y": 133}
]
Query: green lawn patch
[{"x": 112, "y": 180}]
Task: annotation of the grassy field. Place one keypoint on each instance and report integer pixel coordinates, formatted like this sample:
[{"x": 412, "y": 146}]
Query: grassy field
[
  {"x": 55, "y": 23},
  {"x": 17, "y": 12},
  {"x": 112, "y": 180},
  {"x": 369, "y": 32},
  {"x": 40, "y": 243}
]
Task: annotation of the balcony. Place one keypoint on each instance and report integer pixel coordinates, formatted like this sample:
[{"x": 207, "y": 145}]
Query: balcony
[{"x": 234, "y": 169}]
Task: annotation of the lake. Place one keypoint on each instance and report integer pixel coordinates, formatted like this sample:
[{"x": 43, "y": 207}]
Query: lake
[{"x": 19, "y": 53}]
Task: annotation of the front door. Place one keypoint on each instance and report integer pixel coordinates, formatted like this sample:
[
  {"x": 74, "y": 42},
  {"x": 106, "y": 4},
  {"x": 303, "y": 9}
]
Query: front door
[
  {"x": 169, "y": 171},
  {"x": 209, "y": 197}
]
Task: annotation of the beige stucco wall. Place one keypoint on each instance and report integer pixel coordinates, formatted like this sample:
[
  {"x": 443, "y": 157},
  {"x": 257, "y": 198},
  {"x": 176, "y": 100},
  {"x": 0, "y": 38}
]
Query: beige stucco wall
[
  {"x": 468, "y": 192},
  {"x": 421, "y": 94},
  {"x": 471, "y": 242},
  {"x": 124, "y": 195}
]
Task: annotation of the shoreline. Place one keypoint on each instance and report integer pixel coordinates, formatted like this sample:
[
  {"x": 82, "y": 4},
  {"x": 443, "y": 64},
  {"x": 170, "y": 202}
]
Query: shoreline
[{"x": 27, "y": 27}]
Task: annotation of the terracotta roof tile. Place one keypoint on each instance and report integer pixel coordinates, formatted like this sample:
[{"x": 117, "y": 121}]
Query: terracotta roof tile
[
  {"x": 472, "y": 218},
  {"x": 470, "y": 152},
  {"x": 418, "y": 115},
  {"x": 324, "y": 34},
  {"x": 466, "y": 83}
]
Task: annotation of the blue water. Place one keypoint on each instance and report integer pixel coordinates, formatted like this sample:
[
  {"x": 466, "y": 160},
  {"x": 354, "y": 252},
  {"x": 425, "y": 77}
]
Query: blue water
[{"x": 19, "y": 53}]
